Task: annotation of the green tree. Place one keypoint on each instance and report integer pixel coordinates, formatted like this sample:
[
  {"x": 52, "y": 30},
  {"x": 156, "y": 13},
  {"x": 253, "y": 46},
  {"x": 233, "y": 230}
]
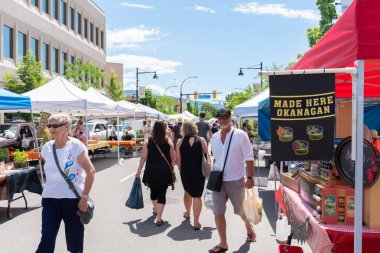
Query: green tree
[
  {"x": 237, "y": 98},
  {"x": 149, "y": 99},
  {"x": 209, "y": 109},
  {"x": 84, "y": 75},
  {"x": 328, "y": 15},
  {"x": 28, "y": 76},
  {"x": 165, "y": 105},
  {"x": 189, "y": 107},
  {"x": 114, "y": 88}
]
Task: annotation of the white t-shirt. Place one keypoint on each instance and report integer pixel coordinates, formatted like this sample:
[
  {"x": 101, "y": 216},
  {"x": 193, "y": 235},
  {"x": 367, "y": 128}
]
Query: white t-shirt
[
  {"x": 56, "y": 186},
  {"x": 241, "y": 150}
]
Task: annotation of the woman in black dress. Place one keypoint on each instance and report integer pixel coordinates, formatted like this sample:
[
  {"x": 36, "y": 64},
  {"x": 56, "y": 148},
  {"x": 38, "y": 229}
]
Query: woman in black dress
[
  {"x": 189, "y": 151},
  {"x": 158, "y": 153}
]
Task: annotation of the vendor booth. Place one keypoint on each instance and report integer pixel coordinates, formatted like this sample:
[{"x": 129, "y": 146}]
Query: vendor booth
[
  {"x": 327, "y": 199},
  {"x": 250, "y": 107}
]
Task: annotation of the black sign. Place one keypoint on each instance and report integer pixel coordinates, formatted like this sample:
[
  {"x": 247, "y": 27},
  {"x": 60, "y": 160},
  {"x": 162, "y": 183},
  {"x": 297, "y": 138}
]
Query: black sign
[
  {"x": 346, "y": 167},
  {"x": 302, "y": 109}
]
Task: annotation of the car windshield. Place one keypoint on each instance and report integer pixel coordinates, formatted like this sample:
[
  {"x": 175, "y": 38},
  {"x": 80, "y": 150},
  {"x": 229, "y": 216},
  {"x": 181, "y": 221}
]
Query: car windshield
[
  {"x": 90, "y": 127},
  {"x": 7, "y": 128}
]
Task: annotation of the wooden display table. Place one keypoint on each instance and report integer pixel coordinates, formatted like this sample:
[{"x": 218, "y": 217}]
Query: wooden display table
[
  {"x": 122, "y": 143},
  {"x": 100, "y": 144}
]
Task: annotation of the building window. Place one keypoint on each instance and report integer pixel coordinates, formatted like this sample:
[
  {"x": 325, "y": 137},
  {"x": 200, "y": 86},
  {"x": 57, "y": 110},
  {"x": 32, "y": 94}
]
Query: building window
[
  {"x": 85, "y": 24},
  {"x": 45, "y": 6},
  {"x": 92, "y": 32},
  {"x": 21, "y": 51},
  {"x": 54, "y": 8},
  {"x": 79, "y": 23},
  {"x": 102, "y": 39},
  {"x": 8, "y": 42},
  {"x": 63, "y": 12},
  {"x": 72, "y": 18},
  {"x": 45, "y": 56},
  {"x": 54, "y": 60},
  {"x": 97, "y": 36},
  {"x": 34, "y": 48},
  {"x": 63, "y": 61},
  {"x": 35, "y": 3},
  {"x": 72, "y": 58}
]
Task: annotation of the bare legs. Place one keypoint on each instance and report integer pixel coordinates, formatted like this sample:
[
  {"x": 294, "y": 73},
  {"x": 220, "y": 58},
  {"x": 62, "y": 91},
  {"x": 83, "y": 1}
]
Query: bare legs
[
  {"x": 197, "y": 207},
  {"x": 220, "y": 222},
  {"x": 160, "y": 210}
]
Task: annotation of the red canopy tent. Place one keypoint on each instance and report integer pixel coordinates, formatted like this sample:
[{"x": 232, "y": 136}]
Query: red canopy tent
[{"x": 355, "y": 36}]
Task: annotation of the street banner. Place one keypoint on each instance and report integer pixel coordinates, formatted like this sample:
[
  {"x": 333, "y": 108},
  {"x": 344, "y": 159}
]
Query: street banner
[
  {"x": 302, "y": 109},
  {"x": 142, "y": 92}
]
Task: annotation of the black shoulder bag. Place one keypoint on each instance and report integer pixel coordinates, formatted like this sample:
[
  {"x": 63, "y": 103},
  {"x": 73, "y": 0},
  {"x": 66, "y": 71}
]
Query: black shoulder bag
[
  {"x": 85, "y": 217},
  {"x": 216, "y": 177}
]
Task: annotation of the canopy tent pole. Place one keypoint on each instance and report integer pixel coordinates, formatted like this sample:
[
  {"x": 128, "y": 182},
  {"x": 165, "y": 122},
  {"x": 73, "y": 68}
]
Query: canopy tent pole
[
  {"x": 85, "y": 119},
  {"x": 117, "y": 137},
  {"x": 134, "y": 122},
  {"x": 38, "y": 150},
  {"x": 357, "y": 149}
]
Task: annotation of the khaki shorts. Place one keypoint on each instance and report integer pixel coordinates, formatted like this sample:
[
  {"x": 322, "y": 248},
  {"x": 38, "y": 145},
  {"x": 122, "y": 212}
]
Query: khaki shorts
[{"x": 233, "y": 190}]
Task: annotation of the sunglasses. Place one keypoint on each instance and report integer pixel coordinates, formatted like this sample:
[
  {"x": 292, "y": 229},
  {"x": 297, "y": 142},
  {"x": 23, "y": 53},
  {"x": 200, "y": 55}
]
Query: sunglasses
[
  {"x": 223, "y": 117},
  {"x": 55, "y": 125}
]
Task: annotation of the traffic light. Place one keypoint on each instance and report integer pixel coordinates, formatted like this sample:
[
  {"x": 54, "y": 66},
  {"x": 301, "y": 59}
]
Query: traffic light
[
  {"x": 214, "y": 94},
  {"x": 195, "y": 94}
]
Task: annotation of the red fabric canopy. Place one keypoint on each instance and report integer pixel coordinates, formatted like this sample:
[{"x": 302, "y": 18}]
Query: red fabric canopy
[{"x": 355, "y": 36}]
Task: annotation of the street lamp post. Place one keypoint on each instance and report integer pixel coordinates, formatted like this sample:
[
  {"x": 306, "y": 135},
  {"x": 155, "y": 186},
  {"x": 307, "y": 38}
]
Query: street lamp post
[
  {"x": 137, "y": 80},
  {"x": 257, "y": 66},
  {"x": 180, "y": 95},
  {"x": 169, "y": 88}
]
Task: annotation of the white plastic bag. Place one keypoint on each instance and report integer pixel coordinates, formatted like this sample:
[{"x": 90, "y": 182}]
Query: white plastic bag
[
  {"x": 25, "y": 142},
  {"x": 282, "y": 230},
  {"x": 253, "y": 207},
  {"x": 208, "y": 204},
  {"x": 274, "y": 174}
]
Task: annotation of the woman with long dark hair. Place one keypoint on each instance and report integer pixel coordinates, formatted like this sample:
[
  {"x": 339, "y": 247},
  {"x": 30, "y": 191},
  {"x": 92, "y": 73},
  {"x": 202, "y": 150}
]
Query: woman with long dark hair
[{"x": 158, "y": 153}]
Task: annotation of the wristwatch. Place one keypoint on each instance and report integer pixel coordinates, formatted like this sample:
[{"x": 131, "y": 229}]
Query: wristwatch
[{"x": 249, "y": 177}]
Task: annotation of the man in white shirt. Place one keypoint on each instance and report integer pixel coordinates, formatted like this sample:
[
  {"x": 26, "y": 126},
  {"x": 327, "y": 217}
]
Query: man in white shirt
[{"x": 239, "y": 164}]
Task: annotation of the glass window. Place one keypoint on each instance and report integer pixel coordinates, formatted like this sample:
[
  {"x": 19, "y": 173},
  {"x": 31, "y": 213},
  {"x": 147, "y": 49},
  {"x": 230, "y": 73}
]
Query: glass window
[
  {"x": 79, "y": 23},
  {"x": 45, "y": 56},
  {"x": 72, "y": 18},
  {"x": 72, "y": 58},
  {"x": 97, "y": 36},
  {"x": 35, "y": 3},
  {"x": 34, "y": 48},
  {"x": 102, "y": 39},
  {"x": 92, "y": 32},
  {"x": 54, "y": 60},
  {"x": 8, "y": 42},
  {"x": 63, "y": 61},
  {"x": 54, "y": 8},
  {"x": 21, "y": 51},
  {"x": 45, "y": 6},
  {"x": 85, "y": 24},
  {"x": 63, "y": 12}
]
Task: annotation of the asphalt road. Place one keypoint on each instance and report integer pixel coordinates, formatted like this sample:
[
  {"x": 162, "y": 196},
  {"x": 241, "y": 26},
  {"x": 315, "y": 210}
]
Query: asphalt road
[{"x": 116, "y": 228}]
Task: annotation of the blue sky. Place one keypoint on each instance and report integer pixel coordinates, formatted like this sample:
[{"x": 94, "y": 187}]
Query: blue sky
[{"x": 210, "y": 39}]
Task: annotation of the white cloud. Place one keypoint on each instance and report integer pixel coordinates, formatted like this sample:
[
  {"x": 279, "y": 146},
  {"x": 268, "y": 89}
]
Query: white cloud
[
  {"x": 277, "y": 9},
  {"x": 158, "y": 90},
  {"x": 137, "y": 6},
  {"x": 144, "y": 63},
  {"x": 131, "y": 38},
  {"x": 204, "y": 9}
]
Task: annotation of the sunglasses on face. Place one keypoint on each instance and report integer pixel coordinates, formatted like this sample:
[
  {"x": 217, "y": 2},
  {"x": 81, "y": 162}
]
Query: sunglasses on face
[
  {"x": 55, "y": 125},
  {"x": 223, "y": 117}
]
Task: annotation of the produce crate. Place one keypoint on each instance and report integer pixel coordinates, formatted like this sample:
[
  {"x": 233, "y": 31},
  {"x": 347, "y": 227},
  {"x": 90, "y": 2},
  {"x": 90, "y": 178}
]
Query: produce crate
[{"x": 290, "y": 182}]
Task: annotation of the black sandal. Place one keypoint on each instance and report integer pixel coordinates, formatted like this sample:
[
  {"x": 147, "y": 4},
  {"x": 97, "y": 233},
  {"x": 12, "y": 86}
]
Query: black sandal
[
  {"x": 185, "y": 216},
  {"x": 197, "y": 227},
  {"x": 159, "y": 223},
  {"x": 217, "y": 249},
  {"x": 251, "y": 237}
]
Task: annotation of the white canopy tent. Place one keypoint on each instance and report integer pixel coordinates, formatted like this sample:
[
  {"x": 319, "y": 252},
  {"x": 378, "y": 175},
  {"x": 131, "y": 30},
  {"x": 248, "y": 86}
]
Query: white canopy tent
[
  {"x": 138, "y": 112},
  {"x": 250, "y": 107},
  {"x": 61, "y": 95},
  {"x": 153, "y": 112},
  {"x": 186, "y": 115}
]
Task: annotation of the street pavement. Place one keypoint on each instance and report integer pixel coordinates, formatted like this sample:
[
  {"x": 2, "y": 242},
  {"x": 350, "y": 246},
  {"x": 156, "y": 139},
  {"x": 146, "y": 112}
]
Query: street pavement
[{"x": 116, "y": 228}]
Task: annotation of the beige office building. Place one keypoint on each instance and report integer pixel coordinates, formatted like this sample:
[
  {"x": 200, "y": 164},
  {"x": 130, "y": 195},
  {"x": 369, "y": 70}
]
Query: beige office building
[{"x": 55, "y": 31}]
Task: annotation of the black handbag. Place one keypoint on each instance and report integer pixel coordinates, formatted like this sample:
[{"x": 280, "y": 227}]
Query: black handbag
[
  {"x": 216, "y": 177},
  {"x": 85, "y": 217}
]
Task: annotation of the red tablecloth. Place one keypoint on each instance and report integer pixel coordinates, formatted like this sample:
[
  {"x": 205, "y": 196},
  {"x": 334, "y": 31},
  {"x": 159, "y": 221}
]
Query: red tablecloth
[{"x": 327, "y": 238}]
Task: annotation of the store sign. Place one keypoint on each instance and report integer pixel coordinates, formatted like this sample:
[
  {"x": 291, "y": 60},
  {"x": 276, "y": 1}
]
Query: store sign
[
  {"x": 142, "y": 92},
  {"x": 302, "y": 109}
]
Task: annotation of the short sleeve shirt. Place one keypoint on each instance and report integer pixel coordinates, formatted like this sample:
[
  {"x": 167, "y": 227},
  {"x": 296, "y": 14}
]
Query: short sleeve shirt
[
  {"x": 56, "y": 186},
  {"x": 241, "y": 150},
  {"x": 203, "y": 129}
]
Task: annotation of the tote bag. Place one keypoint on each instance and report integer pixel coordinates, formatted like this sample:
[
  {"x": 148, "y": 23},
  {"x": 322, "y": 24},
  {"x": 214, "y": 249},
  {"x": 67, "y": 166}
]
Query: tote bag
[
  {"x": 135, "y": 199},
  {"x": 253, "y": 207}
]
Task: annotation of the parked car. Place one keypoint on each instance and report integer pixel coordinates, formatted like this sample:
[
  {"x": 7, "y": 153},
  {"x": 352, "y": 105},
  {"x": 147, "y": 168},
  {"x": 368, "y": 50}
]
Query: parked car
[
  {"x": 120, "y": 130},
  {"x": 97, "y": 129},
  {"x": 17, "y": 135}
]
